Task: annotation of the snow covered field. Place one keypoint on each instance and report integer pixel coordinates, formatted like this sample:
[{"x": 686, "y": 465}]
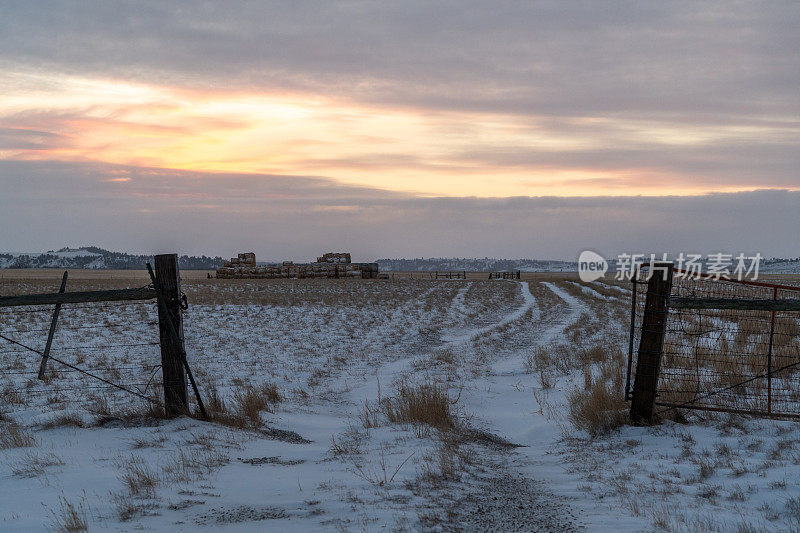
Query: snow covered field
[{"x": 321, "y": 450}]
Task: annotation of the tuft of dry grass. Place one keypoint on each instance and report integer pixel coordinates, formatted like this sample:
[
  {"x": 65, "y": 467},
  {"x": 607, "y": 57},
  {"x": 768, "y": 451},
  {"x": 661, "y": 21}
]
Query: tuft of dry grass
[
  {"x": 11, "y": 396},
  {"x": 598, "y": 408},
  {"x": 190, "y": 465},
  {"x": 348, "y": 444},
  {"x": 245, "y": 406},
  {"x": 215, "y": 403},
  {"x": 138, "y": 477},
  {"x": 129, "y": 413},
  {"x": 420, "y": 405},
  {"x": 64, "y": 420},
  {"x": 382, "y": 477},
  {"x": 129, "y": 508},
  {"x": 34, "y": 464},
  {"x": 249, "y": 402},
  {"x": 70, "y": 517},
  {"x": 369, "y": 416},
  {"x": 14, "y": 436},
  {"x": 271, "y": 393}
]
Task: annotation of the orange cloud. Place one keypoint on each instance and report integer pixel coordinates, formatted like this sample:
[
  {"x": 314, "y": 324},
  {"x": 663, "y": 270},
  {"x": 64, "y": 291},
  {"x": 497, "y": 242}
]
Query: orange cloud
[{"x": 399, "y": 149}]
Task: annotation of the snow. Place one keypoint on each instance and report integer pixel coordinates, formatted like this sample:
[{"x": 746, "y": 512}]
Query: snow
[{"x": 334, "y": 346}]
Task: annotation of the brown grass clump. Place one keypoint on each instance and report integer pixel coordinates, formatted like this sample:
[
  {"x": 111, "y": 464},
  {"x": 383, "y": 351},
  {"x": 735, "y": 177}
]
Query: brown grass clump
[
  {"x": 128, "y": 507},
  {"x": 245, "y": 406},
  {"x": 34, "y": 464},
  {"x": 9, "y": 395},
  {"x": 64, "y": 420},
  {"x": 249, "y": 402},
  {"x": 215, "y": 403},
  {"x": 271, "y": 393},
  {"x": 128, "y": 413},
  {"x": 420, "y": 405},
  {"x": 598, "y": 408},
  {"x": 139, "y": 478},
  {"x": 14, "y": 436},
  {"x": 70, "y": 517},
  {"x": 595, "y": 354}
]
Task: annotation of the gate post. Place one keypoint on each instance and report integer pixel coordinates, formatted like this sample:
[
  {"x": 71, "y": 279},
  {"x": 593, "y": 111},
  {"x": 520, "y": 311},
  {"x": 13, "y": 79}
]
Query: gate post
[
  {"x": 651, "y": 344},
  {"x": 168, "y": 279}
]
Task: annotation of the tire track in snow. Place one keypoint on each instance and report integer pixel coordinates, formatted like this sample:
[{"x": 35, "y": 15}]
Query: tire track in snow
[
  {"x": 554, "y": 327},
  {"x": 508, "y": 497},
  {"x": 403, "y": 365},
  {"x": 574, "y": 309},
  {"x": 473, "y": 333}
]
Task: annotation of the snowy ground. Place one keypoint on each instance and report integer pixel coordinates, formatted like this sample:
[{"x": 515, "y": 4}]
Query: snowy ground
[{"x": 325, "y": 458}]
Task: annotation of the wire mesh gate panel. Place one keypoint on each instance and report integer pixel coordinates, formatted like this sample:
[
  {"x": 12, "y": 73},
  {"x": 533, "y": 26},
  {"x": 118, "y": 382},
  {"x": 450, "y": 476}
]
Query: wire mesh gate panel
[
  {"x": 117, "y": 342},
  {"x": 733, "y": 360},
  {"x": 96, "y": 347}
]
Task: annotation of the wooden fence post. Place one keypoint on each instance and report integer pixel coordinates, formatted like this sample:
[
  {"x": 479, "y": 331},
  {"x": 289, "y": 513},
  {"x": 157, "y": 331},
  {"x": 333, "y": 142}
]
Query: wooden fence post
[
  {"x": 651, "y": 344},
  {"x": 168, "y": 279},
  {"x": 53, "y": 324}
]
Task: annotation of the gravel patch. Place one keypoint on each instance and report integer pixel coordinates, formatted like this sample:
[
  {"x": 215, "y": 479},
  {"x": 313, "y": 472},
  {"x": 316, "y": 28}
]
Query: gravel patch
[
  {"x": 242, "y": 513},
  {"x": 511, "y": 502},
  {"x": 276, "y": 460}
]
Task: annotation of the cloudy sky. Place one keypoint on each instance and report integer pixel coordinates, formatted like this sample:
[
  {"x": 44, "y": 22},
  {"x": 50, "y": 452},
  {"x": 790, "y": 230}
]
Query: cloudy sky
[{"x": 514, "y": 129}]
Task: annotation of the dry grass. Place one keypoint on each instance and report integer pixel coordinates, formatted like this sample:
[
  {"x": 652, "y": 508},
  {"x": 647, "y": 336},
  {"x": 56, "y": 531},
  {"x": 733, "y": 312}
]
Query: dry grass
[
  {"x": 348, "y": 444},
  {"x": 420, "y": 405},
  {"x": 138, "y": 477},
  {"x": 558, "y": 359},
  {"x": 598, "y": 408},
  {"x": 370, "y": 415},
  {"x": 215, "y": 402},
  {"x": 190, "y": 465},
  {"x": 442, "y": 464},
  {"x": 128, "y": 507},
  {"x": 14, "y": 436},
  {"x": 64, "y": 420},
  {"x": 249, "y": 401},
  {"x": 70, "y": 517},
  {"x": 385, "y": 475},
  {"x": 130, "y": 413},
  {"x": 141, "y": 480},
  {"x": 34, "y": 464},
  {"x": 9, "y": 395},
  {"x": 243, "y": 409}
]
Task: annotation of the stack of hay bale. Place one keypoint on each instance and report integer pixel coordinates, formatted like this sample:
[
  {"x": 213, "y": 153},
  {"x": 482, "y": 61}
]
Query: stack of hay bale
[
  {"x": 242, "y": 266},
  {"x": 338, "y": 265},
  {"x": 334, "y": 258},
  {"x": 329, "y": 265}
]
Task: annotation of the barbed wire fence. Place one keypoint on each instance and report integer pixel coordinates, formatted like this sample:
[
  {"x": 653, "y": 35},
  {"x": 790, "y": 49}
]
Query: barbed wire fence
[
  {"x": 711, "y": 343},
  {"x": 97, "y": 347}
]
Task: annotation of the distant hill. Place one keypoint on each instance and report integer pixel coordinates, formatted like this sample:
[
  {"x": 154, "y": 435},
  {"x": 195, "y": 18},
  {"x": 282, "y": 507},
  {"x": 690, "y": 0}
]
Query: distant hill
[
  {"x": 92, "y": 257},
  {"x": 475, "y": 265}
]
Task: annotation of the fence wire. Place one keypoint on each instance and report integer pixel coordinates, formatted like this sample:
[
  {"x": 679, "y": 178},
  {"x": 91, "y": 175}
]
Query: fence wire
[
  {"x": 725, "y": 360},
  {"x": 106, "y": 349}
]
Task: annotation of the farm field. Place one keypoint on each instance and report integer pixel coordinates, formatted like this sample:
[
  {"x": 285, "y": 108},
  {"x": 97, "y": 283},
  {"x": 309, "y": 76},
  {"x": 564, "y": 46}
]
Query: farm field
[{"x": 367, "y": 405}]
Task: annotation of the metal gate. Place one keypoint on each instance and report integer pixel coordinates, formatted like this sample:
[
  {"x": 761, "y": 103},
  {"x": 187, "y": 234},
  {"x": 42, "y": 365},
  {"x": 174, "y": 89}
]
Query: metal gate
[{"x": 712, "y": 343}]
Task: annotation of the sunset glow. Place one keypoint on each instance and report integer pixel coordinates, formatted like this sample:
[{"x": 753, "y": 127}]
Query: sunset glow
[
  {"x": 373, "y": 124},
  {"x": 393, "y": 148}
]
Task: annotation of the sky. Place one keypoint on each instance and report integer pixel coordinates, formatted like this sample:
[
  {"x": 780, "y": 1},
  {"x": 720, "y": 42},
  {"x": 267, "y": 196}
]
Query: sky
[{"x": 400, "y": 129}]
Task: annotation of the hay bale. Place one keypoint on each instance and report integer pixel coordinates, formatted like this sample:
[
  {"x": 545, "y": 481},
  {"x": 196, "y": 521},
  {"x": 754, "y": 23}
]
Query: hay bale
[{"x": 247, "y": 258}]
